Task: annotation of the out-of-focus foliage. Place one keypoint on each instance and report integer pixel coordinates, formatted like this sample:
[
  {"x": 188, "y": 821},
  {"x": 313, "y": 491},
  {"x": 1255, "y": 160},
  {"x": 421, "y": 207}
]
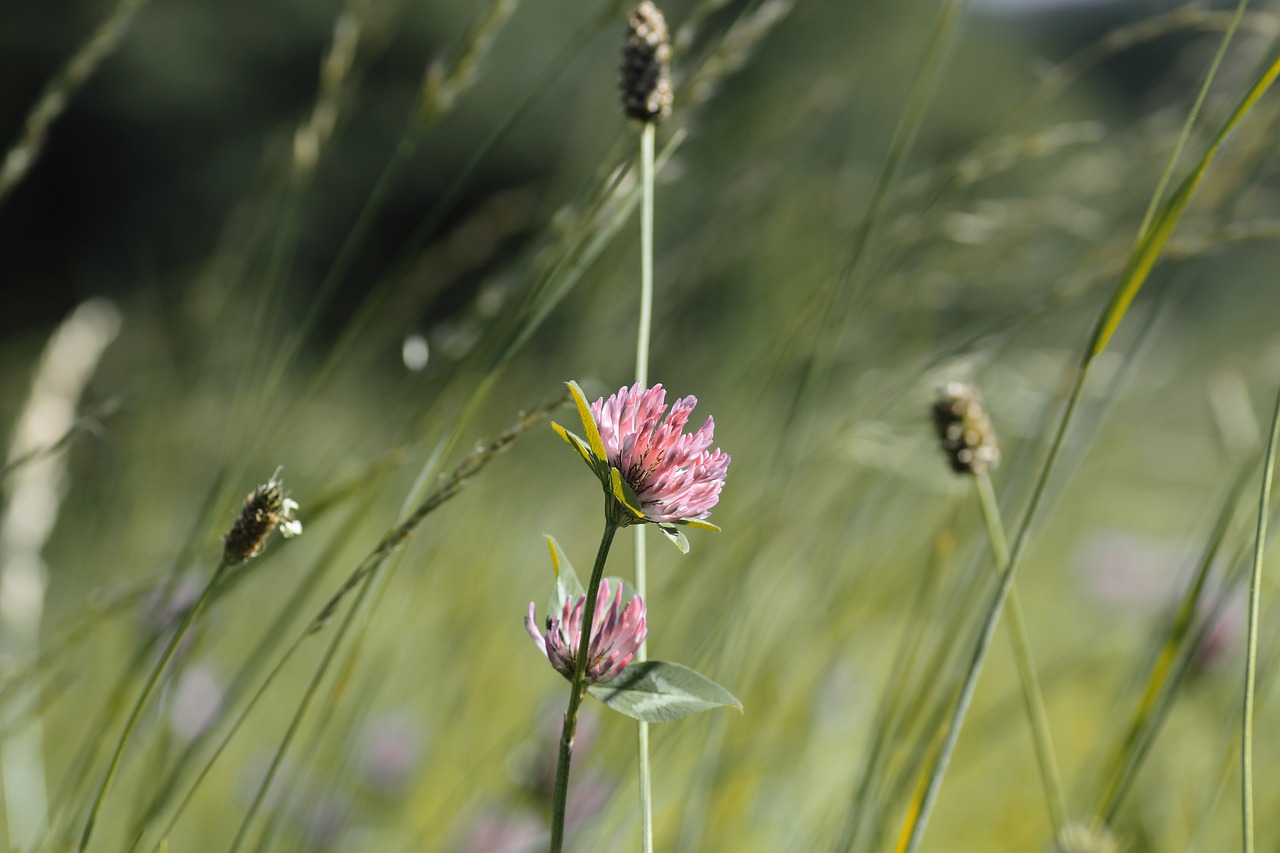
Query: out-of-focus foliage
[{"x": 287, "y": 200}]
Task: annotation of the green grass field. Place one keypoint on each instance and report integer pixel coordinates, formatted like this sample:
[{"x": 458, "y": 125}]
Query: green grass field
[{"x": 363, "y": 275}]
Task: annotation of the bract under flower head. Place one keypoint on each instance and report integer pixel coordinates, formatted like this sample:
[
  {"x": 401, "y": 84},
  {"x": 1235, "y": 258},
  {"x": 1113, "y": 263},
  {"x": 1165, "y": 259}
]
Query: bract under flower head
[
  {"x": 616, "y": 635},
  {"x": 653, "y": 469}
]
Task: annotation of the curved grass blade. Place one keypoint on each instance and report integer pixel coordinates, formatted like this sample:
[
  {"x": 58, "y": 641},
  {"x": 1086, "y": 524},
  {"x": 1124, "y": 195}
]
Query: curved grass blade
[
  {"x": 1151, "y": 242},
  {"x": 1251, "y": 644},
  {"x": 1170, "y": 664},
  {"x": 270, "y": 639},
  {"x": 823, "y": 308},
  {"x": 140, "y": 703},
  {"x": 892, "y": 697}
]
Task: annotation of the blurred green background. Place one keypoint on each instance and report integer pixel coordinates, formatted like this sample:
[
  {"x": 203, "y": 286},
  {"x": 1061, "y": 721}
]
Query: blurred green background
[{"x": 285, "y": 200}]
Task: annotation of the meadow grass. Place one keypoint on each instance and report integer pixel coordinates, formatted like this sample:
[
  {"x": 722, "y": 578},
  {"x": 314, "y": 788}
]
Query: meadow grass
[{"x": 854, "y": 206}]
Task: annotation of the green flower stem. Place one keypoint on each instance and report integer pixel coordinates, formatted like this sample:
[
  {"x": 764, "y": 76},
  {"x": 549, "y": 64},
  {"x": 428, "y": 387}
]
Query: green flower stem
[
  {"x": 179, "y": 634},
  {"x": 642, "y": 376},
  {"x": 1251, "y": 646},
  {"x": 578, "y": 686},
  {"x": 642, "y": 732},
  {"x": 1032, "y": 695}
]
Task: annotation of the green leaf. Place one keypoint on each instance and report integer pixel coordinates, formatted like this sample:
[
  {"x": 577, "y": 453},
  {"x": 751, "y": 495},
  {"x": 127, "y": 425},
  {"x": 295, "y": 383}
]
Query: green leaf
[
  {"x": 623, "y": 493},
  {"x": 588, "y": 422},
  {"x": 673, "y": 533},
  {"x": 698, "y": 523},
  {"x": 658, "y": 691},
  {"x": 568, "y": 587},
  {"x": 600, "y": 469}
]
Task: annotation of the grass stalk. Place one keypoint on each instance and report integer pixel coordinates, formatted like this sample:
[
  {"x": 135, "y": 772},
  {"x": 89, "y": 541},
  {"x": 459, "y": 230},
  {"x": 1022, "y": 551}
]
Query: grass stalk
[
  {"x": 295, "y": 723},
  {"x": 1251, "y": 643},
  {"x": 58, "y": 93},
  {"x": 1020, "y": 642},
  {"x": 1171, "y": 662},
  {"x": 922, "y": 803},
  {"x": 893, "y": 697},
  {"x": 1190, "y": 121},
  {"x": 152, "y": 680}
]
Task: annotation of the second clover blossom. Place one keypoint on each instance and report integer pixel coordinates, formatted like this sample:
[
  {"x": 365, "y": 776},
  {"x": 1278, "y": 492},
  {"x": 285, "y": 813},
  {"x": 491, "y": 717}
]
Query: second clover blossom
[
  {"x": 653, "y": 471},
  {"x": 616, "y": 635}
]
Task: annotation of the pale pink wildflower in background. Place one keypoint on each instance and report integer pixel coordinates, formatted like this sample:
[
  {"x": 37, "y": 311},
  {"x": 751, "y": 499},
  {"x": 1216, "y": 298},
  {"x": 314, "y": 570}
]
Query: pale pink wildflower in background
[
  {"x": 672, "y": 472},
  {"x": 616, "y": 634}
]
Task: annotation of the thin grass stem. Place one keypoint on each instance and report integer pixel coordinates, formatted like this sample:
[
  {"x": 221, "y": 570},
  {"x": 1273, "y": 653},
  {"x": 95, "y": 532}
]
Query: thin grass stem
[
  {"x": 1154, "y": 204},
  {"x": 1251, "y": 643},
  {"x": 242, "y": 835},
  {"x": 1020, "y": 642},
  {"x": 1171, "y": 662},
  {"x": 905, "y": 662},
  {"x": 227, "y": 738},
  {"x": 577, "y": 688},
  {"x": 922, "y": 804},
  {"x": 152, "y": 680},
  {"x": 69, "y": 80}
]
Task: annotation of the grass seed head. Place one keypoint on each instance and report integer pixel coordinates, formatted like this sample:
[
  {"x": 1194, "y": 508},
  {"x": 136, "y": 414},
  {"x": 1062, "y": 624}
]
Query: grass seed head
[
  {"x": 265, "y": 509},
  {"x": 964, "y": 430},
  {"x": 646, "y": 65}
]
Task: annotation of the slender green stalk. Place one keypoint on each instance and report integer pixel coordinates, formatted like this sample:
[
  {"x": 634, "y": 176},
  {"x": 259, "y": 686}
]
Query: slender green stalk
[
  {"x": 642, "y": 376},
  {"x": 892, "y": 697},
  {"x": 226, "y": 740},
  {"x": 642, "y": 730},
  {"x": 922, "y": 804},
  {"x": 1019, "y": 640},
  {"x": 1172, "y": 661},
  {"x": 178, "y": 635},
  {"x": 295, "y": 724},
  {"x": 646, "y": 253},
  {"x": 1251, "y": 647},
  {"x": 578, "y": 687},
  {"x": 1185, "y": 133},
  {"x": 60, "y": 90}
]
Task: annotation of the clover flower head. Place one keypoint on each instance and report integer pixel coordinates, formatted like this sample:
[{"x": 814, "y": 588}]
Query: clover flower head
[
  {"x": 616, "y": 634},
  {"x": 653, "y": 470},
  {"x": 672, "y": 472}
]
